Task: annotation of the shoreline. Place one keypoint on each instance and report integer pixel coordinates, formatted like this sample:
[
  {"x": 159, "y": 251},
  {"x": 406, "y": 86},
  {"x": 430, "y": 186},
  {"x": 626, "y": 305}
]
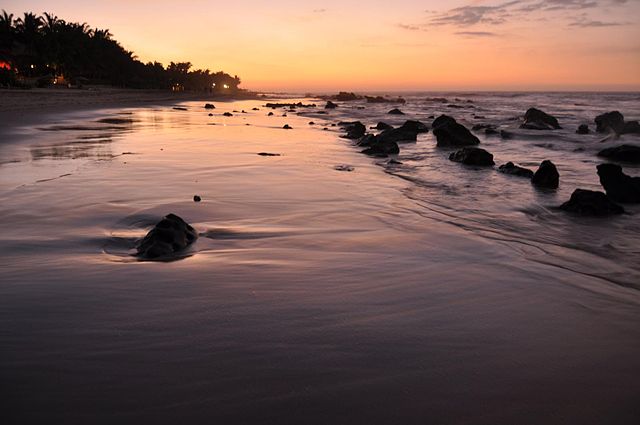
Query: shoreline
[{"x": 19, "y": 108}]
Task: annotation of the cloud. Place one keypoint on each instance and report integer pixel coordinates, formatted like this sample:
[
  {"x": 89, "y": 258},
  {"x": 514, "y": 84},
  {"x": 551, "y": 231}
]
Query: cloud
[
  {"x": 409, "y": 27},
  {"x": 472, "y": 14},
  {"x": 319, "y": 10},
  {"x": 594, "y": 24},
  {"x": 477, "y": 33}
]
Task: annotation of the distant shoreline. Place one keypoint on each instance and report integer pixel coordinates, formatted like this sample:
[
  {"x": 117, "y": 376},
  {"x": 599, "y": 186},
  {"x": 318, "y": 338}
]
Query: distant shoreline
[{"x": 27, "y": 107}]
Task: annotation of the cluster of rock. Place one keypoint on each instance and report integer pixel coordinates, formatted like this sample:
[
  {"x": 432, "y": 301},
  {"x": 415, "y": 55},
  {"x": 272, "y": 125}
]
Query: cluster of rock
[
  {"x": 290, "y": 105},
  {"x": 380, "y": 99}
]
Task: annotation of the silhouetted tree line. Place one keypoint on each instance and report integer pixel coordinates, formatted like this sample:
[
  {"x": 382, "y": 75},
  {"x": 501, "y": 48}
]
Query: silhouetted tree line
[{"x": 47, "y": 49}]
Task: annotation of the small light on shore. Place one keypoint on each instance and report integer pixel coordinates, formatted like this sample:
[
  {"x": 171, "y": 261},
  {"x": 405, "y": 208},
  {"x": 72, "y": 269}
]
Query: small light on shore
[{"x": 226, "y": 86}]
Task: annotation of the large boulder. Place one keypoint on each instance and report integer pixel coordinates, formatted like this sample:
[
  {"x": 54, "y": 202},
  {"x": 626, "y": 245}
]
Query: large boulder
[
  {"x": 448, "y": 132},
  {"x": 546, "y": 176},
  {"x": 624, "y": 153},
  {"x": 382, "y": 148},
  {"x": 170, "y": 236},
  {"x": 535, "y": 119},
  {"x": 611, "y": 121},
  {"x": 515, "y": 170},
  {"x": 416, "y": 126},
  {"x": 591, "y": 203},
  {"x": 472, "y": 156},
  {"x": 619, "y": 186},
  {"x": 408, "y": 132},
  {"x": 355, "y": 130},
  {"x": 209, "y": 106}
]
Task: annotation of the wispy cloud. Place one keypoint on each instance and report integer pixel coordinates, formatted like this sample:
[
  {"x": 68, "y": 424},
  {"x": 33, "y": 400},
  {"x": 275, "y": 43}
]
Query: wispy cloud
[{"x": 477, "y": 33}]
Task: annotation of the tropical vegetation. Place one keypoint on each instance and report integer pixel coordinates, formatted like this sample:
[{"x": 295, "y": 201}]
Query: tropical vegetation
[{"x": 43, "y": 50}]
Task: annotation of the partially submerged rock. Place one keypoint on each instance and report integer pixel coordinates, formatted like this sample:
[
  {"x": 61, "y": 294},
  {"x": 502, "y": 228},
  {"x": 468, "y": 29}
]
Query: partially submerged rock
[
  {"x": 472, "y": 156},
  {"x": 583, "y": 129},
  {"x": 170, "y": 236},
  {"x": 619, "y": 186},
  {"x": 515, "y": 170},
  {"x": 268, "y": 154},
  {"x": 330, "y": 105},
  {"x": 623, "y": 153},
  {"x": 535, "y": 119},
  {"x": 383, "y": 126},
  {"x": 382, "y": 148},
  {"x": 631, "y": 127},
  {"x": 380, "y": 99},
  {"x": 395, "y": 111},
  {"x": 344, "y": 167},
  {"x": 209, "y": 106},
  {"x": 546, "y": 176},
  {"x": 355, "y": 130},
  {"x": 228, "y": 114},
  {"x": 610, "y": 121},
  {"x": 287, "y": 127},
  {"x": 449, "y": 132},
  {"x": 591, "y": 203}
]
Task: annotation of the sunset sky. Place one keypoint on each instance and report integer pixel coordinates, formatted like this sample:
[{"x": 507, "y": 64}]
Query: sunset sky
[{"x": 380, "y": 45}]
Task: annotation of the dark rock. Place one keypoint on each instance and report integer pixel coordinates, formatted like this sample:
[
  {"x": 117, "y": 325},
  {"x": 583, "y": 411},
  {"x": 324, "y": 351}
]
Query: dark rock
[
  {"x": 170, "y": 236},
  {"x": 380, "y": 99},
  {"x": 270, "y": 114},
  {"x": 367, "y": 140},
  {"x": 416, "y": 126},
  {"x": 472, "y": 156},
  {"x": 491, "y": 131},
  {"x": 312, "y": 123},
  {"x": 448, "y": 132},
  {"x": 355, "y": 130},
  {"x": 591, "y": 203},
  {"x": 619, "y": 186},
  {"x": 287, "y": 127},
  {"x": 395, "y": 111},
  {"x": 228, "y": 114},
  {"x": 631, "y": 127},
  {"x": 515, "y": 170},
  {"x": 583, "y": 129},
  {"x": 196, "y": 198},
  {"x": 178, "y": 108},
  {"x": 546, "y": 176},
  {"x": 623, "y": 153},
  {"x": 210, "y": 115},
  {"x": 382, "y": 148},
  {"x": 442, "y": 120},
  {"x": 255, "y": 109},
  {"x": 268, "y": 154},
  {"x": 209, "y": 106},
  {"x": 383, "y": 126},
  {"x": 289, "y": 105},
  {"x": 437, "y": 99},
  {"x": 344, "y": 167},
  {"x": 330, "y": 105},
  {"x": 610, "y": 121},
  {"x": 535, "y": 119},
  {"x": 116, "y": 121}
]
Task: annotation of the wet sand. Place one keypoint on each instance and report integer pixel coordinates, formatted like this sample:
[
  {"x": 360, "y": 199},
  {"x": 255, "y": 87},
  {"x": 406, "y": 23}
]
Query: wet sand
[{"x": 313, "y": 295}]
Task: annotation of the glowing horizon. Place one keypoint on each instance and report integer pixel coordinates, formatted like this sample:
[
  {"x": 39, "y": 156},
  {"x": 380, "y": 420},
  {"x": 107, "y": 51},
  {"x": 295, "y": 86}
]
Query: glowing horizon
[{"x": 418, "y": 45}]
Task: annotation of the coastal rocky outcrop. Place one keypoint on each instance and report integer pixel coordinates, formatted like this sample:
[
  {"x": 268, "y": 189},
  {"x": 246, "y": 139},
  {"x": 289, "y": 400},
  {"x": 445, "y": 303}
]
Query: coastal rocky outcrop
[
  {"x": 515, "y": 170},
  {"x": 619, "y": 186},
  {"x": 623, "y": 153},
  {"x": 355, "y": 130},
  {"x": 535, "y": 119},
  {"x": 344, "y": 96},
  {"x": 330, "y": 105},
  {"x": 583, "y": 129},
  {"x": 380, "y": 99},
  {"x": 546, "y": 176},
  {"x": 472, "y": 156},
  {"x": 289, "y": 105},
  {"x": 610, "y": 121},
  {"x": 591, "y": 203},
  {"x": 449, "y": 132},
  {"x": 170, "y": 236},
  {"x": 395, "y": 111}
]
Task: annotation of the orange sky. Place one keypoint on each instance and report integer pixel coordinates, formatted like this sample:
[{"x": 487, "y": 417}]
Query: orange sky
[{"x": 380, "y": 45}]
